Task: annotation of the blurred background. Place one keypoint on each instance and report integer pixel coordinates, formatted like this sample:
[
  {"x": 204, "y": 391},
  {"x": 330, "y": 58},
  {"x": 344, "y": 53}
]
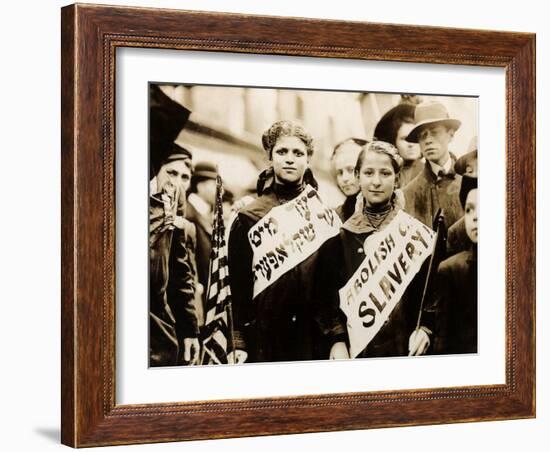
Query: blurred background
[{"x": 227, "y": 123}]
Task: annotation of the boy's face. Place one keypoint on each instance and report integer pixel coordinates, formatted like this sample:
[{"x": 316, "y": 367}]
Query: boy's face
[
  {"x": 206, "y": 189},
  {"x": 434, "y": 142},
  {"x": 175, "y": 173},
  {"x": 470, "y": 215}
]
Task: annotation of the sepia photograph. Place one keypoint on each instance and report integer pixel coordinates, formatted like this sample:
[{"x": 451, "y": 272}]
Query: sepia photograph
[
  {"x": 269, "y": 225},
  {"x": 297, "y": 225}
]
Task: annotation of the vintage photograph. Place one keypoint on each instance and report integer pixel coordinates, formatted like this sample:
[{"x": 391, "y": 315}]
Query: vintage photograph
[{"x": 291, "y": 224}]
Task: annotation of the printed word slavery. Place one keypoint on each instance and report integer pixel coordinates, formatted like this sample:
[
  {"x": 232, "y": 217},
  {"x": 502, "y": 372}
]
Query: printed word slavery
[
  {"x": 392, "y": 259},
  {"x": 393, "y": 276}
]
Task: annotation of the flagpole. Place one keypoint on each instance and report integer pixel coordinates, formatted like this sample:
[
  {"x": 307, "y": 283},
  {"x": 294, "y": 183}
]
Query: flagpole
[
  {"x": 218, "y": 315},
  {"x": 439, "y": 220},
  {"x": 206, "y": 311},
  {"x": 230, "y": 304},
  {"x": 207, "y": 288},
  {"x": 231, "y": 330}
]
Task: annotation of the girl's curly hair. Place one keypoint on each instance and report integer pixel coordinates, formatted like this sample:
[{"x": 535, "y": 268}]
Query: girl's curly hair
[{"x": 287, "y": 129}]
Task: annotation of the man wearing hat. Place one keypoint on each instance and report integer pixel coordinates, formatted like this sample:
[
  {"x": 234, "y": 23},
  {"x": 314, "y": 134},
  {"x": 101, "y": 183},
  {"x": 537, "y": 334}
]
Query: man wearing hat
[
  {"x": 173, "y": 330},
  {"x": 437, "y": 185},
  {"x": 200, "y": 208}
]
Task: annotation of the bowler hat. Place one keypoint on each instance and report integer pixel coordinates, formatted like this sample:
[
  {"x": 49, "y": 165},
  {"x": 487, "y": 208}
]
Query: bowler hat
[{"x": 431, "y": 113}]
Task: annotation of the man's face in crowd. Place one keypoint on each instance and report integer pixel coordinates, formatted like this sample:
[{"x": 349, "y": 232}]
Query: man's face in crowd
[
  {"x": 434, "y": 142},
  {"x": 206, "y": 189},
  {"x": 176, "y": 173},
  {"x": 344, "y": 162},
  {"x": 470, "y": 215},
  {"x": 290, "y": 160},
  {"x": 407, "y": 150}
]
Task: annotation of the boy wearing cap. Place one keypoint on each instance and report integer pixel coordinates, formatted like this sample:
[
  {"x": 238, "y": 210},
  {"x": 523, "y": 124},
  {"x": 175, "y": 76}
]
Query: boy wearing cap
[
  {"x": 173, "y": 328},
  {"x": 173, "y": 319},
  {"x": 453, "y": 316},
  {"x": 456, "y": 306},
  {"x": 437, "y": 185}
]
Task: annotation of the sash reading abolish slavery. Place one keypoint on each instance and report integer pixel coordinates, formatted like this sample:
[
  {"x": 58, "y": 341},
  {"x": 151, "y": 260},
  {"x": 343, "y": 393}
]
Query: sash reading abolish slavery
[{"x": 392, "y": 258}]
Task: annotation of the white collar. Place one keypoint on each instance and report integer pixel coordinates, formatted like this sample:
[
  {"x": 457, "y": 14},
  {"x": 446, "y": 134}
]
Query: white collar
[{"x": 446, "y": 168}]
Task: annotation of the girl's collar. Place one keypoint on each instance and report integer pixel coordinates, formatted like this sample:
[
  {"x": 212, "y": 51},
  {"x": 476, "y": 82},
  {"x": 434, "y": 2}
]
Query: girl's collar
[{"x": 358, "y": 223}]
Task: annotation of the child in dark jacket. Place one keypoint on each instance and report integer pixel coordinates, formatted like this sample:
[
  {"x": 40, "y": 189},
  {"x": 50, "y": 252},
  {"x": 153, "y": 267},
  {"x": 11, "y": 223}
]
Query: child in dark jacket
[
  {"x": 456, "y": 303},
  {"x": 452, "y": 317}
]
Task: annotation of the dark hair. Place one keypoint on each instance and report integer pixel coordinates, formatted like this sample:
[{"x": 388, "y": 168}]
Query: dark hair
[
  {"x": 381, "y": 147},
  {"x": 358, "y": 141},
  {"x": 467, "y": 184},
  {"x": 286, "y": 129},
  {"x": 388, "y": 126}
]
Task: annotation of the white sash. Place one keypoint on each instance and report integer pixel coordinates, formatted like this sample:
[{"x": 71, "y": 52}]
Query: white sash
[
  {"x": 393, "y": 257},
  {"x": 288, "y": 235}
]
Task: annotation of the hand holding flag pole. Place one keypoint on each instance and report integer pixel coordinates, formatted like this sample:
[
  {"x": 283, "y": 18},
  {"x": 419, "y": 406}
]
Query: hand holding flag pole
[{"x": 419, "y": 341}]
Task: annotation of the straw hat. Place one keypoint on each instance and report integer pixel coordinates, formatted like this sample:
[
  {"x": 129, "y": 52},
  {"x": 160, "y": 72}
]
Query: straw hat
[{"x": 431, "y": 113}]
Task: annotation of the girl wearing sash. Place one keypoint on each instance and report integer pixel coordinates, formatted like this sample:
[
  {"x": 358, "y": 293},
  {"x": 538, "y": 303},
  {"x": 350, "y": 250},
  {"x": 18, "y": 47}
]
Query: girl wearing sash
[
  {"x": 276, "y": 324},
  {"x": 377, "y": 170}
]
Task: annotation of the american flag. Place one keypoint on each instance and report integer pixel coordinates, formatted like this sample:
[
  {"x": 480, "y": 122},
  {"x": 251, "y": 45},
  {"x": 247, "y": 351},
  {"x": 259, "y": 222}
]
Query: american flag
[{"x": 216, "y": 333}]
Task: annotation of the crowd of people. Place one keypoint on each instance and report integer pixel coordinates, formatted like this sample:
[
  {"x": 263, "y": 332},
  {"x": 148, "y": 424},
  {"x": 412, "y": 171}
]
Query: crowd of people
[{"x": 288, "y": 307}]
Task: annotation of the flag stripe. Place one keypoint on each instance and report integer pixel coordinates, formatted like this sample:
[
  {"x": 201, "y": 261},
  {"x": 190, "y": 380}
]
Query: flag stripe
[{"x": 216, "y": 332}]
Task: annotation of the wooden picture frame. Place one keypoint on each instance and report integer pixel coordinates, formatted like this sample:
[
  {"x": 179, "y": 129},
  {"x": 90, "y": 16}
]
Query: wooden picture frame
[{"x": 90, "y": 37}]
